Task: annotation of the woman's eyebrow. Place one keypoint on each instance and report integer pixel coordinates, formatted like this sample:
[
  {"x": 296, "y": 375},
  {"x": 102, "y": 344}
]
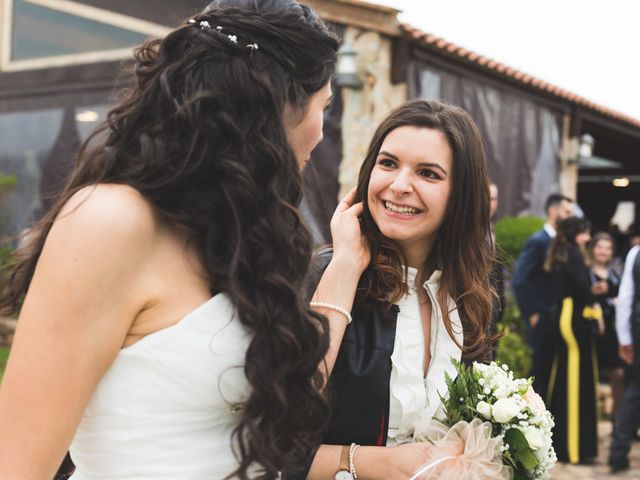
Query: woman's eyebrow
[
  {"x": 421, "y": 164},
  {"x": 433, "y": 165},
  {"x": 387, "y": 154}
]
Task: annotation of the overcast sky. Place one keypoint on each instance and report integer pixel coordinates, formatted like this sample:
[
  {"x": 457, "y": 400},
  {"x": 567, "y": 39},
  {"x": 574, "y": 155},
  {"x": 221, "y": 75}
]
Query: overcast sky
[{"x": 589, "y": 47}]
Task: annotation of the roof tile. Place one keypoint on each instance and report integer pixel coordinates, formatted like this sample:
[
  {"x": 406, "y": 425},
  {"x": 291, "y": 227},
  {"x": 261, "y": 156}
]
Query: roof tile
[{"x": 517, "y": 75}]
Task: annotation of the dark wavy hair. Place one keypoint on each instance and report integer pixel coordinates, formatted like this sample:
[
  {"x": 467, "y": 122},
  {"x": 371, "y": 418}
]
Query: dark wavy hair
[
  {"x": 200, "y": 134},
  {"x": 567, "y": 231},
  {"x": 462, "y": 249}
]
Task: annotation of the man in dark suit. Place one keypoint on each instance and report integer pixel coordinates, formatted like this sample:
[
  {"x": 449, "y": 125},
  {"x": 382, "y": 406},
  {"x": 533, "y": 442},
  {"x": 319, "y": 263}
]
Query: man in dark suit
[
  {"x": 628, "y": 330},
  {"x": 532, "y": 286}
]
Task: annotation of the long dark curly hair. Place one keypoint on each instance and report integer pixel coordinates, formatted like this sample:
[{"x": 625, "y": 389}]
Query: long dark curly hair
[
  {"x": 462, "y": 249},
  {"x": 567, "y": 231},
  {"x": 200, "y": 134}
]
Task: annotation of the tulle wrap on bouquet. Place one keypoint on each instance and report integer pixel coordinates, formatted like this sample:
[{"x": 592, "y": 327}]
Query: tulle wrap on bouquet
[{"x": 466, "y": 451}]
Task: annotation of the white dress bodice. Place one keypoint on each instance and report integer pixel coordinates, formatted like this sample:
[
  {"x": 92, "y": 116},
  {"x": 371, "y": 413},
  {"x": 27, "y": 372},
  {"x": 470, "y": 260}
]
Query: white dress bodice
[
  {"x": 166, "y": 407},
  {"x": 414, "y": 393}
]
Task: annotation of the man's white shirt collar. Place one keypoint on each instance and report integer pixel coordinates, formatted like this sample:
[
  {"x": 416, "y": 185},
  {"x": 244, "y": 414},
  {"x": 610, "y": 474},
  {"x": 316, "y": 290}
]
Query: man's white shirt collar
[{"x": 550, "y": 230}]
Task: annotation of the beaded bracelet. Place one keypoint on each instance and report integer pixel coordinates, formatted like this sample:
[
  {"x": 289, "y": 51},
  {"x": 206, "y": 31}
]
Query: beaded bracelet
[
  {"x": 352, "y": 466},
  {"x": 333, "y": 307}
]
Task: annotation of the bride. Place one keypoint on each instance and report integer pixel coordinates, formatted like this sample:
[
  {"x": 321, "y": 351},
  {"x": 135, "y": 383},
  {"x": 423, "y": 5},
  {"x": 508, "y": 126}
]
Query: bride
[{"x": 163, "y": 333}]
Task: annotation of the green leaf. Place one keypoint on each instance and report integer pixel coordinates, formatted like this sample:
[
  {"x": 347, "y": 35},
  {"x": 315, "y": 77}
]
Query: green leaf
[
  {"x": 527, "y": 459},
  {"x": 520, "y": 475},
  {"x": 516, "y": 440}
]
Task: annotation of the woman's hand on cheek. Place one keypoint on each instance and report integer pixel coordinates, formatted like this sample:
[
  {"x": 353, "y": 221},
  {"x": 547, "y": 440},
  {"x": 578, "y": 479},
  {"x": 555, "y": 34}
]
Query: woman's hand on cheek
[{"x": 349, "y": 244}]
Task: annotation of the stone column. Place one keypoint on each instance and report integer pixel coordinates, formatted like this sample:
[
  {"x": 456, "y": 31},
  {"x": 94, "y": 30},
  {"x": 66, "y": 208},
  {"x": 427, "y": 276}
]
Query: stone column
[
  {"x": 364, "y": 109},
  {"x": 568, "y": 161}
]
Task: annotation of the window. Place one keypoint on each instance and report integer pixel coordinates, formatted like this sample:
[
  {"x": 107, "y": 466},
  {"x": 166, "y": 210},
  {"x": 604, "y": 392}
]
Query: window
[
  {"x": 40, "y": 148},
  {"x": 50, "y": 33}
]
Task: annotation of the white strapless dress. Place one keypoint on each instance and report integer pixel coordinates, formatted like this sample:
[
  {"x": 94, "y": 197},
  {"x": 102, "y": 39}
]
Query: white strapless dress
[{"x": 166, "y": 407}]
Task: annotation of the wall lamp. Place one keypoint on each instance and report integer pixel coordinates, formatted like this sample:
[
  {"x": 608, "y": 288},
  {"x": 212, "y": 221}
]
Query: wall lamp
[
  {"x": 584, "y": 149},
  {"x": 347, "y": 75}
]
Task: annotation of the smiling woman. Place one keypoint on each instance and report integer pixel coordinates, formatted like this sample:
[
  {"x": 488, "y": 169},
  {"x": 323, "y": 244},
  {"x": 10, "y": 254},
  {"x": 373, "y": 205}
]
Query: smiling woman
[
  {"x": 420, "y": 290},
  {"x": 409, "y": 188}
]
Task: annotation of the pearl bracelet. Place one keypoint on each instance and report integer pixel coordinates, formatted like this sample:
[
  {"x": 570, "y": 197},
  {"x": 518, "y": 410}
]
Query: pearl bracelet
[
  {"x": 352, "y": 465},
  {"x": 333, "y": 307}
]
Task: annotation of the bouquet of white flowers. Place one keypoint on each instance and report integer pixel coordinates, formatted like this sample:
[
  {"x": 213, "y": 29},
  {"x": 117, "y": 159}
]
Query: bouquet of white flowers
[{"x": 495, "y": 426}]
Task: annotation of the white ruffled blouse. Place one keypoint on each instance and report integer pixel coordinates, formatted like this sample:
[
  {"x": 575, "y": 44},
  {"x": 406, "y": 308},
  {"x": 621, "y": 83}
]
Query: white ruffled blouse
[{"x": 414, "y": 394}]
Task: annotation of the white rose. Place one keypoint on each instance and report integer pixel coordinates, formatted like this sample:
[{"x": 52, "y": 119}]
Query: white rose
[
  {"x": 504, "y": 410},
  {"x": 480, "y": 367},
  {"x": 534, "y": 438},
  {"x": 484, "y": 409},
  {"x": 502, "y": 391}
]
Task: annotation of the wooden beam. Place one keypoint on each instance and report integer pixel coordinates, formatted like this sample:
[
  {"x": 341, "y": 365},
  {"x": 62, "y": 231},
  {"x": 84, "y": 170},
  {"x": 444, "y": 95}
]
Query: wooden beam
[
  {"x": 606, "y": 122},
  {"x": 104, "y": 16},
  {"x": 400, "y": 59},
  {"x": 5, "y": 32},
  {"x": 359, "y": 14}
]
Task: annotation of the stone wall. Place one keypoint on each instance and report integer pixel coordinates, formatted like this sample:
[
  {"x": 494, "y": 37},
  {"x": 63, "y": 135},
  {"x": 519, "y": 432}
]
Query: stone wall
[{"x": 364, "y": 109}]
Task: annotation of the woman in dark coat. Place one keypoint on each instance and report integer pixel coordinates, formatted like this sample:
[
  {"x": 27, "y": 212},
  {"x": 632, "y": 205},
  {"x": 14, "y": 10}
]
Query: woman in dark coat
[
  {"x": 571, "y": 396},
  {"x": 605, "y": 283}
]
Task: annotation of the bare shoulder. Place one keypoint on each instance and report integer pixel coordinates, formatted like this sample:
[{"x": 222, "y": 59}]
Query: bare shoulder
[
  {"x": 108, "y": 211},
  {"x": 109, "y": 202},
  {"x": 103, "y": 239}
]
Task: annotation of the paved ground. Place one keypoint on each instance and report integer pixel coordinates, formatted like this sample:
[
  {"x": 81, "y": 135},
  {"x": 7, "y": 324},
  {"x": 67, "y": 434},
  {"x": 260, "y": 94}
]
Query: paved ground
[{"x": 600, "y": 471}]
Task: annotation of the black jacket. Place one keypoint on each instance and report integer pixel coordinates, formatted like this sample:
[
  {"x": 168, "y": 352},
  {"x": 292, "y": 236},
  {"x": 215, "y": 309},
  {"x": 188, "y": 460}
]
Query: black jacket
[
  {"x": 359, "y": 385},
  {"x": 359, "y": 382}
]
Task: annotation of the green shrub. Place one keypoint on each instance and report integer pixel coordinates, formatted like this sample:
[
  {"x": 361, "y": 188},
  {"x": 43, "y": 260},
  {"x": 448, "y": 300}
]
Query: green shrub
[
  {"x": 5, "y": 252},
  {"x": 7, "y": 181},
  {"x": 512, "y": 346},
  {"x": 511, "y": 316},
  {"x": 514, "y": 351},
  {"x": 4, "y": 354},
  {"x": 512, "y": 233}
]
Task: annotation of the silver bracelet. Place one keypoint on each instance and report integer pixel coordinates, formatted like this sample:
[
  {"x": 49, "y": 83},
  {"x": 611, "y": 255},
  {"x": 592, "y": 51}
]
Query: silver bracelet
[
  {"x": 352, "y": 465},
  {"x": 333, "y": 307}
]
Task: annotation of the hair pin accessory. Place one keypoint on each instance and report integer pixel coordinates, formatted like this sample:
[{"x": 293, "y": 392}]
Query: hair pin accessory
[
  {"x": 253, "y": 46},
  {"x": 233, "y": 38},
  {"x": 191, "y": 20},
  {"x": 219, "y": 28},
  {"x": 204, "y": 24}
]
